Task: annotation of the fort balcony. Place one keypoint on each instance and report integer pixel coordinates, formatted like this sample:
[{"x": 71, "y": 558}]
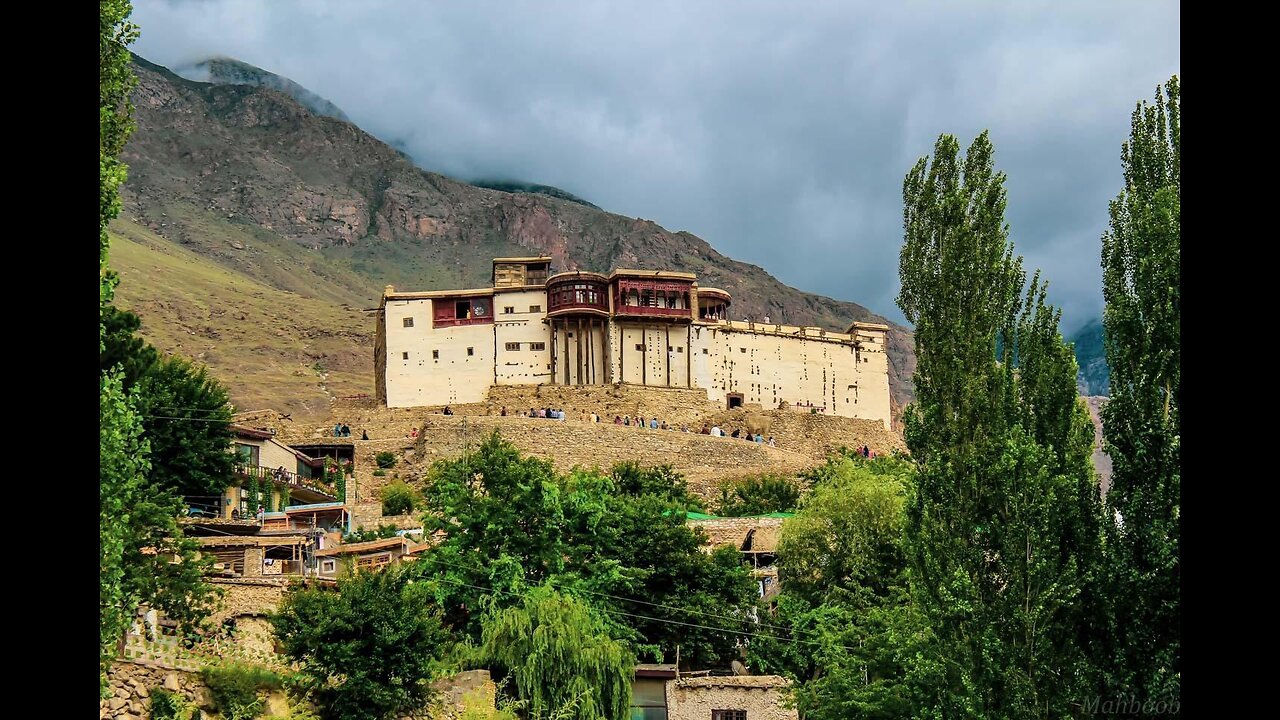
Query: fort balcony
[
  {"x": 461, "y": 310},
  {"x": 578, "y": 293},
  {"x": 713, "y": 305},
  {"x": 653, "y": 295}
]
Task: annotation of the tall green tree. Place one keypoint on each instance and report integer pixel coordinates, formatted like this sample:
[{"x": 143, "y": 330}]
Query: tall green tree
[
  {"x": 115, "y": 121},
  {"x": 561, "y": 657},
  {"x": 187, "y": 416},
  {"x": 145, "y": 559},
  {"x": 1141, "y": 283},
  {"x": 758, "y": 495},
  {"x": 1004, "y": 499},
  {"x": 369, "y": 650}
]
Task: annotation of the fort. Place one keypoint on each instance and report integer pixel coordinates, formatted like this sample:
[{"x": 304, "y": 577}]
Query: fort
[{"x": 632, "y": 327}]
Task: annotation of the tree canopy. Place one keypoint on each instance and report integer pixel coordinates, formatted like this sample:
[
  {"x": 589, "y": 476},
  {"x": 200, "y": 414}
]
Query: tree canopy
[{"x": 1141, "y": 283}]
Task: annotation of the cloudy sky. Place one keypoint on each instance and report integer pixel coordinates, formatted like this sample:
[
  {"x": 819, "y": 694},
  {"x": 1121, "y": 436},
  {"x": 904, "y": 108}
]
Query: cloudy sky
[{"x": 779, "y": 132}]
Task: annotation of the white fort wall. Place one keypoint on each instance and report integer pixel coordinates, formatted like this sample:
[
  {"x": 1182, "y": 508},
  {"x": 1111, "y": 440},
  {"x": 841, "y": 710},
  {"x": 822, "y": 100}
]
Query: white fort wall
[{"x": 514, "y": 342}]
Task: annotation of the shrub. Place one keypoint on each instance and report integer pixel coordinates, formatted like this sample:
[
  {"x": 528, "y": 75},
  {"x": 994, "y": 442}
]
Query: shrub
[
  {"x": 167, "y": 705},
  {"x": 398, "y": 498},
  {"x": 237, "y": 688},
  {"x": 759, "y": 495},
  {"x": 361, "y": 535},
  {"x": 379, "y": 472},
  {"x": 385, "y": 459}
]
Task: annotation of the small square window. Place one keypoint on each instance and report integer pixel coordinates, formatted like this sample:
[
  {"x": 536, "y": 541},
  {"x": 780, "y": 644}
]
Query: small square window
[
  {"x": 535, "y": 308},
  {"x": 704, "y": 351},
  {"x": 513, "y": 346},
  {"x": 404, "y": 355},
  {"x": 570, "y": 334},
  {"x": 537, "y": 346},
  {"x": 508, "y": 310},
  {"x": 728, "y": 715},
  {"x": 328, "y": 566},
  {"x": 408, "y": 322},
  {"x": 743, "y": 349},
  {"x": 435, "y": 354},
  {"x": 640, "y": 347},
  {"x": 471, "y": 351},
  {"x": 680, "y": 349}
]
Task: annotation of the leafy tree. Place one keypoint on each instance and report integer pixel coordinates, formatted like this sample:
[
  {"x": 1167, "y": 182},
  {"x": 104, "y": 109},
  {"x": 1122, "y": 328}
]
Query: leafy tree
[
  {"x": 115, "y": 121},
  {"x": 511, "y": 521},
  {"x": 1005, "y": 513},
  {"x": 144, "y": 556},
  {"x": 662, "y": 481},
  {"x": 385, "y": 459},
  {"x": 758, "y": 495},
  {"x": 1141, "y": 263},
  {"x": 398, "y": 498},
  {"x": 187, "y": 417},
  {"x": 560, "y": 656},
  {"x": 123, "y": 349},
  {"x": 854, "y": 636},
  {"x": 369, "y": 650}
]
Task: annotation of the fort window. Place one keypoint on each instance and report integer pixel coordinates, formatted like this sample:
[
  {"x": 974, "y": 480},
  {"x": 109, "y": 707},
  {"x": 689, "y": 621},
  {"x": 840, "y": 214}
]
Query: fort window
[
  {"x": 743, "y": 349},
  {"x": 640, "y": 347},
  {"x": 679, "y": 348},
  {"x": 508, "y": 310},
  {"x": 435, "y": 354},
  {"x": 408, "y": 322},
  {"x": 513, "y": 346},
  {"x": 471, "y": 351},
  {"x": 404, "y": 356},
  {"x": 537, "y": 346},
  {"x": 535, "y": 308}
]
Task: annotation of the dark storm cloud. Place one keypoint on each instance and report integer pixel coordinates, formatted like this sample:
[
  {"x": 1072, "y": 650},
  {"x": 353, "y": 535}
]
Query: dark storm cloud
[{"x": 779, "y": 132}]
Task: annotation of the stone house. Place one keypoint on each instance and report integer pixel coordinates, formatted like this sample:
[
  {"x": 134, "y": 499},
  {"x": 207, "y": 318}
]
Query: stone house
[
  {"x": 360, "y": 556},
  {"x": 659, "y": 692}
]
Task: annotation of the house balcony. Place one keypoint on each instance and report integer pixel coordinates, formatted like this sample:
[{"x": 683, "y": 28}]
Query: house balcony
[{"x": 306, "y": 490}]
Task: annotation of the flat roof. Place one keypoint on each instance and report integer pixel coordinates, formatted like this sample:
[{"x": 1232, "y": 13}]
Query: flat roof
[
  {"x": 252, "y": 541},
  {"x": 533, "y": 259},
  {"x": 349, "y": 548},
  {"x": 867, "y": 326},
  {"x": 667, "y": 274},
  {"x": 428, "y": 294}
]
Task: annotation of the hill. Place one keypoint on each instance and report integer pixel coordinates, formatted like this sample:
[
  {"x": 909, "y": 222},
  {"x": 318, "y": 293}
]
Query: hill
[
  {"x": 1094, "y": 377},
  {"x": 248, "y": 178}
]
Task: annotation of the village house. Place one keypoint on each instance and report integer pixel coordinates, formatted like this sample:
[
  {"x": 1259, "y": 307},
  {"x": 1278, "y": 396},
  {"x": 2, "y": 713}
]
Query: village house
[
  {"x": 371, "y": 555},
  {"x": 756, "y": 538},
  {"x": 661, "y": 692},
  {"x": 639, "y": 327}
]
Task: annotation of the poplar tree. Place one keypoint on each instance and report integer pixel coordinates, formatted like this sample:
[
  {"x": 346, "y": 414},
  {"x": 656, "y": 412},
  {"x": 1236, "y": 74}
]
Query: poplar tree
[
  {"x": 1141, "y": 264},
  {"x": 1002, "y": 529}
]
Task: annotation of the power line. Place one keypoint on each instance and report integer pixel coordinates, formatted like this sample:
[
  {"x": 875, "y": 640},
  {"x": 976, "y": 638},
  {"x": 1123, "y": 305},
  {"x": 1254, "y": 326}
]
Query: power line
[
  {"x": 661, "y": 620},
  {"x": 625, "y": 599}
]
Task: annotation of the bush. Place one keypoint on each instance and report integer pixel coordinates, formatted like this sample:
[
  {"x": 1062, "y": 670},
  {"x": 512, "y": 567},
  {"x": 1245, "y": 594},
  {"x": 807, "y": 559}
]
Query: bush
[
  {"x": 237, "y": 688},
  {"x": 361, "y": 535},
  {"x": 167, "y": 705},
  {"x": 385, "y": 459},
  {"x": 759, "y": 495},
  {"x": 398, "y": 498}
]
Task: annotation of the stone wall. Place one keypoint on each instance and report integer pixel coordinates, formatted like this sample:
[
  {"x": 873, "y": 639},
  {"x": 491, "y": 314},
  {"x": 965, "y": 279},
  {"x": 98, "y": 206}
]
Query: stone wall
[
  {"x": 131, "y": 685},
  {"x": 760, "y": 696},
  {"x": 704, "y": 460},
  {"x": 247, "y": 597}
]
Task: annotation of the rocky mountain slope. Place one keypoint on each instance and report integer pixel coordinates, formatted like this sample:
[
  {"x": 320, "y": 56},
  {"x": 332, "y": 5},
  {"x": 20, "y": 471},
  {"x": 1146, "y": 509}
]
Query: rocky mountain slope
[
  {"x": 248, "y": 178},
  {"x": 1094, "y": 377}
]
